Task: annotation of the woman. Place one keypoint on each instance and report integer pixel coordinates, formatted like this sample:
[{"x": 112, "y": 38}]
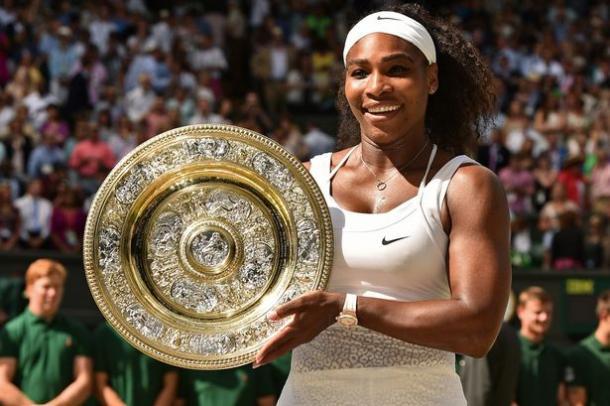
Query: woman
[
  {"x": 10, "y": 222},
  {"x": 422, "y": 275},
  {"x": 68, "y": 222}
]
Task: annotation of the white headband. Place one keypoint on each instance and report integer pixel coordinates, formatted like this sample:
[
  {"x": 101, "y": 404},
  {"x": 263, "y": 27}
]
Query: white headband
[{"x": 399, "y": 25}]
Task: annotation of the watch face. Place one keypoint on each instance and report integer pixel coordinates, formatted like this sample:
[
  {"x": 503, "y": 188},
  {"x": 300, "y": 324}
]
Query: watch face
[{"x": 347, "y": 320}]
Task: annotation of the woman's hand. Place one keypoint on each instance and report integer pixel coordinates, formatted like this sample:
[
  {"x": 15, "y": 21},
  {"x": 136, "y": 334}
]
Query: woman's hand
[{"x": 312, "y": 311}]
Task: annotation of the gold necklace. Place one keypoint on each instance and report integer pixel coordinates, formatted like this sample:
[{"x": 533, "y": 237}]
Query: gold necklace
[{"x": 383, "y": 184}]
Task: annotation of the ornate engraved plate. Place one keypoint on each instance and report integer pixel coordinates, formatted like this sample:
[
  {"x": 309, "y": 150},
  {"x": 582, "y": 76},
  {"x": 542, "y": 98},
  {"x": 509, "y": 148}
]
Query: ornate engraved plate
[{"x": 196, "y": 235}]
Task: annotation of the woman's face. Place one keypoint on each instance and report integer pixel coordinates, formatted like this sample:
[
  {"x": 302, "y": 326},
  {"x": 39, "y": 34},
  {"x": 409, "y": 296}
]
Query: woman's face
[{"x": 387, "y": 84}]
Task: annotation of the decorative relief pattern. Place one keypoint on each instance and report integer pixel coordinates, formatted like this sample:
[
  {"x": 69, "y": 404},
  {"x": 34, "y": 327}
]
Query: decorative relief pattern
[{"x": 241, "y": 234}]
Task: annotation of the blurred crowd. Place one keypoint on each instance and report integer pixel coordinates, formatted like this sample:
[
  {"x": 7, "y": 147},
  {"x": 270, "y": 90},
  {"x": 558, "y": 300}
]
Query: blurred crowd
[{"x": 81, "y": 85}]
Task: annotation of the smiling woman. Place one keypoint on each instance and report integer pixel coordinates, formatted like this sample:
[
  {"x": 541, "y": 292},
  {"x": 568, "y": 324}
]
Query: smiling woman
[{"x": 421, "y": 268}]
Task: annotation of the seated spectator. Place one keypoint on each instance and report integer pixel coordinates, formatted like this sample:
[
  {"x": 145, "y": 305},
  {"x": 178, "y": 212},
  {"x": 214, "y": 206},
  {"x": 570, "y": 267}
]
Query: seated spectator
[
  {"x": 545, "y": 177},
  {"x": 519, "y": 184},
  {"x": 35, "y": 213},
  {"x": 68, "y": 221},
  {"x": 571, "y": 178},
  {"x": 157, "y": 119},
  {"x": 124, "y": 140},
  {"x": 10, "y": 221},
  {"x": 597, "y": 243},
  {"x": 124, "y": 375},
  {"x": 45, "y": 156},
  {"x": 228, "y": 387},
  {"x": 568, "y": 245},
  {"x": 589, "y": 361},
  {"x": 542, "y": 368},
  {"x": 18, "y": 148},
  {"x": 317, "y": 141},
  {"x": 289, "y": 136},
  {"x": 204, "y": 114},
  {"x": 600, "y": 180},
  {"x": 92, "y": 159},
  {"x": 140, "y": 99},
  {"x": 548, "y": 220},
  {"x": 54, "y": 126},
  {"x": 494, "y": 154},
  {"x": 44, "y": 356}
]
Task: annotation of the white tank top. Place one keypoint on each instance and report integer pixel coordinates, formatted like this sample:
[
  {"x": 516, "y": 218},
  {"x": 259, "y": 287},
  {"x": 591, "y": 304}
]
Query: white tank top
[{"x": 396, "y": 255}]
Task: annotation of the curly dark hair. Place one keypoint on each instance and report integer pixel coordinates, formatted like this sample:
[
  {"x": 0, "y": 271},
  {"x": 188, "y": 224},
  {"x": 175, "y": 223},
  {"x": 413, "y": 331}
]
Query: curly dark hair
[{"x": 464, "y": 104}]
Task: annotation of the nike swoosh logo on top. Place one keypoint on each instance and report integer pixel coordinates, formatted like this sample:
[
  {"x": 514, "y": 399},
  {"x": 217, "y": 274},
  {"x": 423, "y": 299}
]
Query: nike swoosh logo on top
[
  {"x": 386, "y": 242},
  {"x": 388, "y": 18}
]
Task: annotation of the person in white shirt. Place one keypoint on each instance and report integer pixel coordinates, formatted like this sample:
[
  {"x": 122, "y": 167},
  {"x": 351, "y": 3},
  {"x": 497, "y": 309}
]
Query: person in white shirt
[{"x": 35, "y": 212}]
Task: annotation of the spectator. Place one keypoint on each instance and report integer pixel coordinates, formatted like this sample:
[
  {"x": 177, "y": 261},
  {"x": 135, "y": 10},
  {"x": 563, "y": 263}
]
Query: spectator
[
  {"x": 597, "y": 243},
  {"x": 519, "y": 184},
  {"x": 228, "y": 387},
  {"x": 571, "y": 178},
  {"x": 600, "y": 180},
  {"x": 60, "y": 372},
  {"x": 124, "y": 375},
  {"x": 545, "y": 177},
  {"x": 62, "y": 59},
  {"x": 35, "y": 213},
  {"x": 567, "y": 247},
  {"x": 494, "y": 155},
  {"x": 92, "y": 159},
  {"x": 542, "y": 369},
  {"x": 289, "y": 136},
  {"x": 157, "y": 119},
  {"x": 10, "y": 221},
  {"x": 45, "y": 156},
  {"x": 18, "y": 148},
  {"x": 122, "y": 142},
  {"x": 317, "y": 141},
  {"x": 140, "y": 99},
  {"x": 204, "y": 114},
  {"x": 184, "y": 103},
  {"x": 589, "y": 374},
  {"x": 54, "y": 125},
  {"x": 68, "y": 221}
]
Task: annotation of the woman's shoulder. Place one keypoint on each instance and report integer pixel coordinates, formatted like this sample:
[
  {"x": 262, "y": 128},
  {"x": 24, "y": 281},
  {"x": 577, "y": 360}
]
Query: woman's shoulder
[{"x": 335, "y": 157}]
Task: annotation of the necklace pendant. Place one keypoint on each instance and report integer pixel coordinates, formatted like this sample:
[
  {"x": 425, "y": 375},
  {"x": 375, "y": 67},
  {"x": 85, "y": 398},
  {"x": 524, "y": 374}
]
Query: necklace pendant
[{"x": 381, "y": 185}]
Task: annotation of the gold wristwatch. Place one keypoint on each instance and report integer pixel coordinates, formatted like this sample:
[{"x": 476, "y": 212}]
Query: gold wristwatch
[{"x": 347, "y": 318}]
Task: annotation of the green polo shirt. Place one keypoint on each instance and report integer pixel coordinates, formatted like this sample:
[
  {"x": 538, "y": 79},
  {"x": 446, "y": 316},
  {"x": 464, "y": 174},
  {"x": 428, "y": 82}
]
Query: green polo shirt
[
  {"x": 134, "y": 376},
  {"x": 279, "y": 370},
  {"x": 590, "y": 362},
  {"x": 45, "y": 353},
  {"x": 240, "y": 386},
  {"x": 541, "y": 371}
]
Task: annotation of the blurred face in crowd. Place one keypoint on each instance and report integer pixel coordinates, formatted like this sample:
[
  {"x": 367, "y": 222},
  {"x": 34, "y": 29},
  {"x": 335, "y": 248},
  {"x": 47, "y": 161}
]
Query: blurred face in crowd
[
  {"x": 35, "y": 188},
  {"x": 45, "y": 294},
  {"x": 536, "y": 317}
]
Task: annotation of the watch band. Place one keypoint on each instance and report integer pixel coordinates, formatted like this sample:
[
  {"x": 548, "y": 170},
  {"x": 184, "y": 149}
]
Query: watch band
[
  {"x": 347, "y": 318},
  {"x": 351, "y": 301}
]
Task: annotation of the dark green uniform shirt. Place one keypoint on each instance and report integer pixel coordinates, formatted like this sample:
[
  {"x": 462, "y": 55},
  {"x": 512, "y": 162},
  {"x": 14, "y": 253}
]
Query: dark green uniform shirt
[
  {"x": 45, "y": 353},
  {"x": 541, "y": 371},
  {"x": 279, "y": 370},
  {"x": 590, "y": 363},
  {"x": 134, "y": 376},
  {"x": 229, "y": 387}
]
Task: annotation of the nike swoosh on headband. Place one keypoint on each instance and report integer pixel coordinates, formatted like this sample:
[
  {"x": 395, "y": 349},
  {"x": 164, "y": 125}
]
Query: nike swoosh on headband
[
  {"x": 386, "y": 242},
  {"x": 388, "y": 18}
]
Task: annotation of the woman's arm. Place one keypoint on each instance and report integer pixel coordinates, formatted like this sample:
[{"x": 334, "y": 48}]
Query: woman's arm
[{"x": 479, "y": 277}]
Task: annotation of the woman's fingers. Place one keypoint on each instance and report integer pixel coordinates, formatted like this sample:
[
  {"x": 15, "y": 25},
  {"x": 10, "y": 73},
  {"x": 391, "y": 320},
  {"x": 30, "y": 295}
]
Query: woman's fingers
[
  {"x": 276, "y": 341},
  {"x": 277, "y": 351},
  {"x": 296, "y": 305}
]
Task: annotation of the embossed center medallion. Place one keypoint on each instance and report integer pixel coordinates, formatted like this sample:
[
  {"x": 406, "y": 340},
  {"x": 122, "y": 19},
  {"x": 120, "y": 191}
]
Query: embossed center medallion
[{"x": 209, "y": 248}]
